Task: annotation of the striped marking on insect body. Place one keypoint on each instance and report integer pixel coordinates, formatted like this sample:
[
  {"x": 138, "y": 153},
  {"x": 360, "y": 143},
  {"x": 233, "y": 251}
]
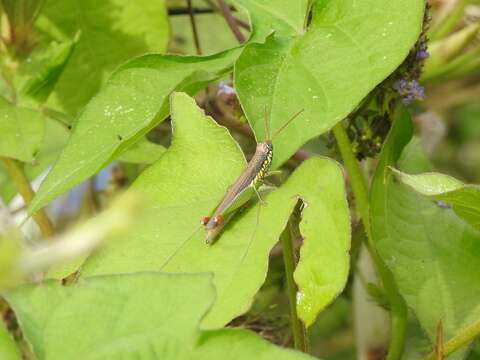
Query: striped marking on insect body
[{"x": 262, "y": 173}]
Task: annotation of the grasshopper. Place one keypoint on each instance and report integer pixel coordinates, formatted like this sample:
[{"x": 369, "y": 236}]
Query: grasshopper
[{"x": 246, "y": 184}]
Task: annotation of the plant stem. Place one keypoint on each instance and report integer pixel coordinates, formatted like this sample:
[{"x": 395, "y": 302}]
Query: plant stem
[
  {"x": 298, "y": 329},
  {"x": 465, "y": 336},
  {"x": 231, "y": 21},
  {"x": 173, "y": 11},
  {"x": 398, "y": 307},
  {"x": 240, "y": 23},
  {"x": 359, "y": 186},
  {"x": 196, "y": 40},
  {"x": 22, "y": 184}
]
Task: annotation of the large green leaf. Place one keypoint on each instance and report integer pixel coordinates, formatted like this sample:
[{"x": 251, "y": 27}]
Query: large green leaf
[
  {"x": 349, "y": 48},
  {"x": 134, "y": 100},
  {"x": 21, "y": 131},
  {"x": 434, "y": 256},
  {"x": 188, "y": 181},
  {"x": 141, "y": 316},
  {"x": 8, "y": 348},
  {"x": 111, "y": 32},
  {"x": 464, "y": 198}
]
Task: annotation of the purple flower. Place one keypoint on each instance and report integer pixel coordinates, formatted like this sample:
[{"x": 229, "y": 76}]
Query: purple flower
[
  {"x": 422, "y": 52},
  {"x": 224, "y": 88},
  {"x": 409, "y": 90},
  {"x": 422, "y": 55},
  {"x": 401, "y": 86}
]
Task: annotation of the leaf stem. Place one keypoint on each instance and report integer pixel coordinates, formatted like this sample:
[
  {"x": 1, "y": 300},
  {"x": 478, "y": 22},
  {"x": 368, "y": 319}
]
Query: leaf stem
[
  {"x": 22, "y": 184},
  {"x": 398, "y": 307},
  {"x": 465, "y": 336},
  {"x": 298, "y": 329}
]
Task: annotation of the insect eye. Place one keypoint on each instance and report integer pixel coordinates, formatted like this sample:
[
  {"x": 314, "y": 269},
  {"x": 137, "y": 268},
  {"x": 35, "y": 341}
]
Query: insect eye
[{"x": 204, "y": 220}]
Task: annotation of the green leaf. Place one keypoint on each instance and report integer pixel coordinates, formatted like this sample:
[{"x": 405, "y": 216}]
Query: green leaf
[
  {"x": 134, "y": 100},
  {"x": 43, "y": 72},
  {"x": 142, "y": 152},
  {"x": 54, "y": 140},
  {"x": 348, "y": 49},
  {"x": 465, "y": 199},
  {"x": 21, "y": 131},
  {"x": 282, "y": 16},
  {"x": 323, "y": 267},
  {"x": 8, "y": 348},
  {"x": 141, "y": 316},
  {"x": 241, "y": 344},
  {"x": 433, "y": 255},
  {"x": 189, "y": 180},
  {"x": 112, "y": 31}
]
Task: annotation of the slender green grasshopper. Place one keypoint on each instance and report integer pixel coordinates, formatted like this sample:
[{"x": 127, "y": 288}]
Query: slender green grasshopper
[{"x": 246, "y": 184}]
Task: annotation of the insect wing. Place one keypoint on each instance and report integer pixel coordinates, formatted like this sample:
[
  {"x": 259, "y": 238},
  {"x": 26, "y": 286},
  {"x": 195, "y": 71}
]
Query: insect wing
[{"x": 241, "y": 199}]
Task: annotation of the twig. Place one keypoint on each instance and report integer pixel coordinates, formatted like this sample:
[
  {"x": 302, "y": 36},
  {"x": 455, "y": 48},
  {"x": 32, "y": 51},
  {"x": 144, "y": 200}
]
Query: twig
[
  {"x": 240, "y": 23},
  {"x": 176, "y": 11},
  {"x": 185, "y": 11},
  {"x": 23, "y": 186},
  {"x": 193, "y": 23},
  {"x": 231, "y": 21}
]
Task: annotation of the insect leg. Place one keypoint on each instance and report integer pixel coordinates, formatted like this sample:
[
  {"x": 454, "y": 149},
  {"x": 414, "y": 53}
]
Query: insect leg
[{"x": 263, "y": 202}]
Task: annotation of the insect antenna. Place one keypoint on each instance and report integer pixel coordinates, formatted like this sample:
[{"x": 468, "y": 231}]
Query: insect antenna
[
  {"x": 287, "y": 123},
  {"x": 267, "y": 124}
]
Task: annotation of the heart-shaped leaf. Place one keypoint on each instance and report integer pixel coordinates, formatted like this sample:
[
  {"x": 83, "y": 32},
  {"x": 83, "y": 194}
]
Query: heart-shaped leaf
[
  {"x": 348, "y": 49},
  {"x": 434, "y": 256},
  {"x": 189, "y": 180},
  {"x": 141, "y": 316}
]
